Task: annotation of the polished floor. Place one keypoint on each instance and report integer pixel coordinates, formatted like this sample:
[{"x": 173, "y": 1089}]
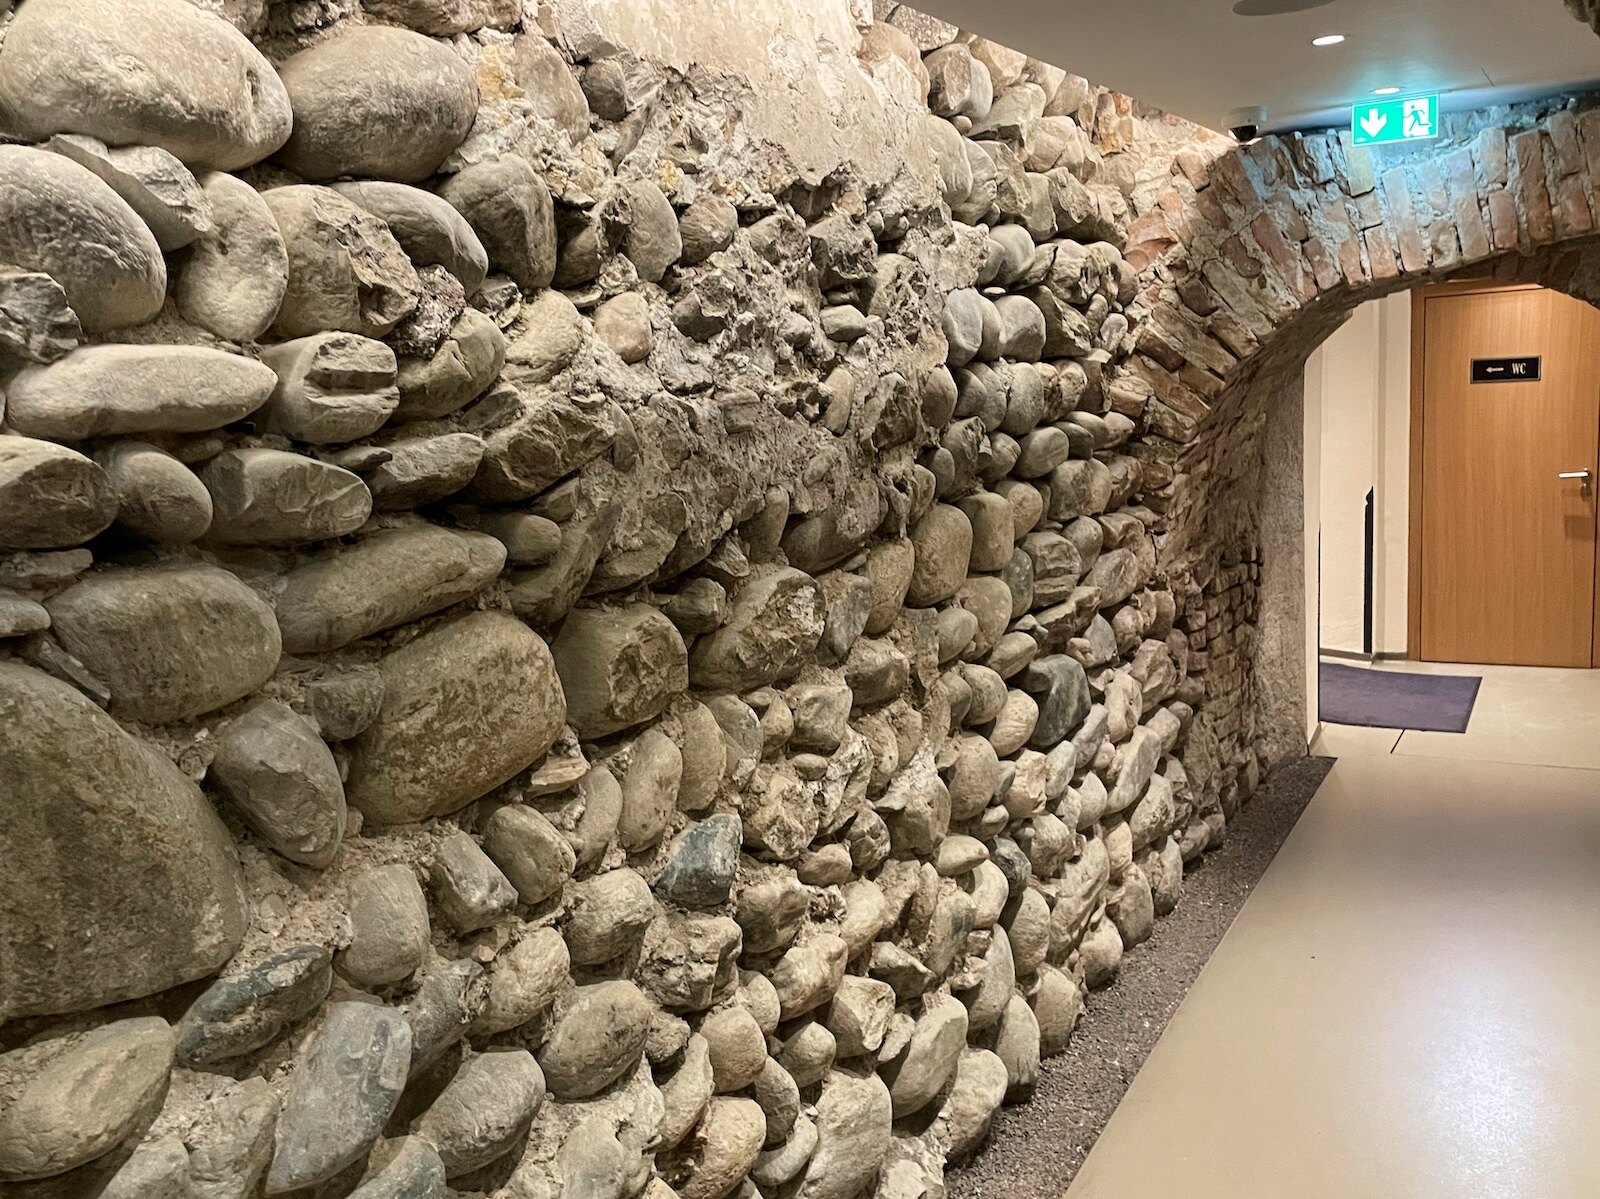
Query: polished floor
[
  {"x": 1406, "y": 1007},
  {"x": 1525, "y": 715}
]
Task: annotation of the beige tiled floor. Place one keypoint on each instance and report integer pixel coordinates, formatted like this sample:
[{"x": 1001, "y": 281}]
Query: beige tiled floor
[
  {"x": 1404, "y": 1009},
  {"x": 1525, "y": 715}
]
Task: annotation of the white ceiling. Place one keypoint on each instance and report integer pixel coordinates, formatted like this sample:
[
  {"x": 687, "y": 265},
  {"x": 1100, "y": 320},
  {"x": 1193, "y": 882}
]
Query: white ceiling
[{"x": 1199, "y": 60}]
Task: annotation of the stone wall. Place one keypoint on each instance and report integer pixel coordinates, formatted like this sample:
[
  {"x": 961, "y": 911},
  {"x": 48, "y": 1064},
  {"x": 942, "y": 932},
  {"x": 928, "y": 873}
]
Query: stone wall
[{"x": 626, "y": 597}]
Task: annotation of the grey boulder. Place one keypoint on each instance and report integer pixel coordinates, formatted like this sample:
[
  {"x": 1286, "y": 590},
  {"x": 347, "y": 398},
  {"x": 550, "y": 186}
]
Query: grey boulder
[
  {"x": 407, "y": 1168},
  {"x": 378, "y": 102},
  {"x": 773, "y": 625},
  {"x": 524, "y": 980},
  {"x": 467, "y": 886},
  {"x": 159, "y": 498},
  {"x": 486, "y": 1108},
  {"x": 346, "y": 271},
  {"x": 229, "y": 1155},
  {"x": 143, "y": 72},
  {"x": 332, "y": 387},
  {"x": 20, "y": 616},
  {"x": 389, "y": 578},
  {"x": 458, "y": 372},
  {"x": 442, "y": 18},
  {"x": 159, "y": 188},
  {"x": 607, "y": 916},
  {"x": 112, "y": 856},
  {"x": 727, "y": 1143},
  {"x": 618, "y": 668},
  {"x": 508, "y": 205},
  {"x": 707, "y": 227},
  {"x": 702, "y": 863},
  {"x": 1062, "y": 690},
  {"x": 171, "y": 641},
  {"x": 531, "y": 851},
  {"x": 485, "y": 680},
  {"x": 547, "y": 81},
  {"x": 343, "y": 702},
  {"x": 272, "y": 497},
  {"x": 115, "y": 390},
  {"x": 448, "y": 998},
  {"x": 59, "y": 218},
  {"x": 51, "y": 496},
  {"x": 157, "y": 1169},
  {"x": 652, "y": 242},
  {"x": 929, "y": 1061},
  {"x": 232, "y": 280},
  {"x": 36, "y": 322},
  {"x": 96, "y": 1092},
  {"x": 428, "y": 228},
  {"x": 237, "y": 1015},
  {"x": 342, "y": 1094},
  {"x": 854, "y": 1130},
  {"x": 424, "y": 470},
  {"x": 598, "y": 1039},
  {"x": 388, "y": 927},
  {"x": 547, "y": 438},
  {"x": 278, "y": 774}
]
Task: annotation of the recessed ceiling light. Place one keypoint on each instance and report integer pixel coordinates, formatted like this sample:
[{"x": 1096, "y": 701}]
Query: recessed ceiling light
[
  {"x": 1385, "y": 91},
  {"x": 1332, "y": 39}
]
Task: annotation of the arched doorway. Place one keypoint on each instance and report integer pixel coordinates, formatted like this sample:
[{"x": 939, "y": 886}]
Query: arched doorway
[{"x": 1248, "y": 263}]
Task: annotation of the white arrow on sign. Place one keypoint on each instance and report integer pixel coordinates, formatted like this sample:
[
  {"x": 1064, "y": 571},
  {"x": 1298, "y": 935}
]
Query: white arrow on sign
[{"x": 1374, "y": 122}]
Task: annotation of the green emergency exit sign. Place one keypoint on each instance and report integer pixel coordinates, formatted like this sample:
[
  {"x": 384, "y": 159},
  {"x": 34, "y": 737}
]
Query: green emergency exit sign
[{"x": 1384, "y": 122}]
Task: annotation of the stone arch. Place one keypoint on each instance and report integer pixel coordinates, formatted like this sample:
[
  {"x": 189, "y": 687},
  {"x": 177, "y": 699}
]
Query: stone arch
[{"x": 1248, "y": 262}]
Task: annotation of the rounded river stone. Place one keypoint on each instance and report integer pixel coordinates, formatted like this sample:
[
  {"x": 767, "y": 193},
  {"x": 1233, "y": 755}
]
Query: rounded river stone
[
  {"x": 142, "y": 72},
  {"x": 60, "y": 218},
  {"x": 280, "y": 776},
  {"x": 112, "y": 857},
  {"x": 171, "y": 641},
  {"x": 50, "y": 496},
  {"x": 233, "y": 278},
  {"x": 91, "y": 1096},
  {"x": 465, "y": 707},
  {"x": 112, "y": 390},
  {"x": 377, "y": 102},
  {"x": 341, "y": 1095},
  {"x": 599, "y": 1038},
  {"x": 389, "y": 578}
]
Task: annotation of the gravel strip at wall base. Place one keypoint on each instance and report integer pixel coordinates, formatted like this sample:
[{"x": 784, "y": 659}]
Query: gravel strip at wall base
[{"x": 1035, "y": 1150}]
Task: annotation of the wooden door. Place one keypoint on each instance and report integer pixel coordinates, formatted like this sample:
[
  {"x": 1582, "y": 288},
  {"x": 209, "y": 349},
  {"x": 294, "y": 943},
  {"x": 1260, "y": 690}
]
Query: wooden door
[{"x": 1506, "y": 566}]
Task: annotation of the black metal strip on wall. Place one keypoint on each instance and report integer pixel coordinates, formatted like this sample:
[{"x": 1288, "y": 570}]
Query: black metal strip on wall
[{"x": 1366, "y": 582}]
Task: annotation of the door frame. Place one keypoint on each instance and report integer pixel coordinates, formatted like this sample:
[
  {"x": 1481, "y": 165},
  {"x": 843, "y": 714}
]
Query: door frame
[{"x": 1415, "y": 482}]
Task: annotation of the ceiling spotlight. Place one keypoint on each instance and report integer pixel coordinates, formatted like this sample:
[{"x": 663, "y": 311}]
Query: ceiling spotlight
[
  {"x": 1332, "y": 39},
  {"x": 1385, "y": 91}
]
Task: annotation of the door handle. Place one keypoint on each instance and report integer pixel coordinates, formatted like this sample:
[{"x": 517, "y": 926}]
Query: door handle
[{"x": 1577, "y": 474}]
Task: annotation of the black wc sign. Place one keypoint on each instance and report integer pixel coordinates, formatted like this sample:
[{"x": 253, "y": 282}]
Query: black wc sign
[{"x": 1506, "y": 370}]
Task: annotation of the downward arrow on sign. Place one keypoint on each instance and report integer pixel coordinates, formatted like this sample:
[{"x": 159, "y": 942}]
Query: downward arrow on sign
[{"x": 1374, "y": 122}]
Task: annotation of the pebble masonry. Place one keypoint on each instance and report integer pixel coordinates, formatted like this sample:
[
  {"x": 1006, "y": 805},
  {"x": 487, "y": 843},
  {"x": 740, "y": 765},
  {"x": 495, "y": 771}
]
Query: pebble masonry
[{"x": 576, "y": 622}]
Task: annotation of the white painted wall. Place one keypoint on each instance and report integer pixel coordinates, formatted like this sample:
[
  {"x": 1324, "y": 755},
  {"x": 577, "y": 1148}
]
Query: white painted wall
[
  {"x": 1312, "y": 430},
  {"x": 1362, "y": 380},
  {"x": 1394, "y": 478}
]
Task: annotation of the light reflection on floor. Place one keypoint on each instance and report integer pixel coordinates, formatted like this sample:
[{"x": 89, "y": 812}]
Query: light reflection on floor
[{"x": 1405, "y": 1008}]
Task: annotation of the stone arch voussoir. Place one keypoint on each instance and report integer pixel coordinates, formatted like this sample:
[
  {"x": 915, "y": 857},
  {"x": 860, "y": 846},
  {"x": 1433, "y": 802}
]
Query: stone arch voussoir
[{"x": 1250, "y": 260}]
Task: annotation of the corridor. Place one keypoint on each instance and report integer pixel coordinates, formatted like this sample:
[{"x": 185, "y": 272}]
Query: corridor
[{"x": 1404, "y": 1007}]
